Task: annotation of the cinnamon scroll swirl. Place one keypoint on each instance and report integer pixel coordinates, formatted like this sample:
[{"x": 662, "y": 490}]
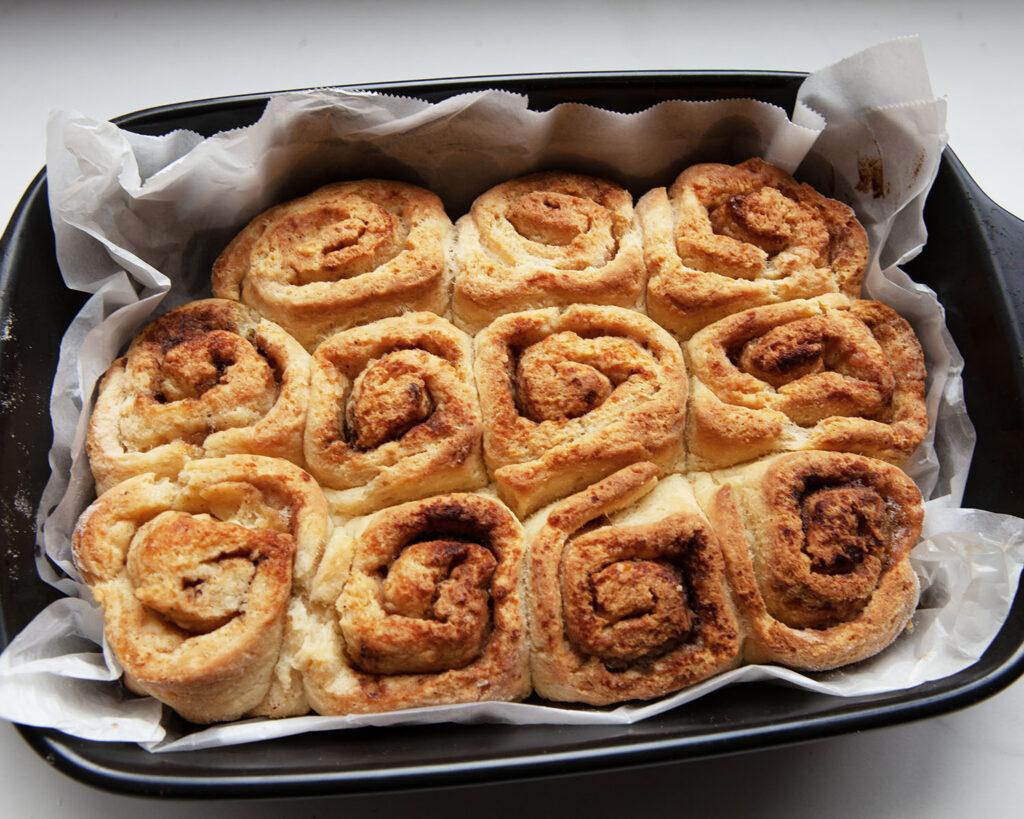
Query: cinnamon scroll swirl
[
  {"x": 195, "y": 576},
  {"x": 824, "y": 373},
  {"x": 817, "y": 545},
  {"x": 570, "y": 396},
  {"x": 210, "y": 378},
  {"x": 393, "y": 414},
  {"x": 548, "y": 239},
  {"x": 628, "y": 594},
  {"x": 419, "y": 604},
  {"x": 346, "y": 254},
  {"x": 726, "y": 238}
]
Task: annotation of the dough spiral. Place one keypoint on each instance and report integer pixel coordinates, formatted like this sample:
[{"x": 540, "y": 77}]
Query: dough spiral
[
  {"x": 628, "y": 597},
  {"x": 817, "y": 547},
  {"x": 569, "y": 396},
  {"x": 548, "y": 239},
  {"x": 824, "y": 373},
  {"x": 346, "y": 254},
  {"x": 207, "y": 379},
  {"x": 725, "y": 238},
  {"x": 227, "y": 591},
  {"x": 394, "y": 414},
  {"x": 195, "y": 576},
  {"x": 419, "y": 604}
]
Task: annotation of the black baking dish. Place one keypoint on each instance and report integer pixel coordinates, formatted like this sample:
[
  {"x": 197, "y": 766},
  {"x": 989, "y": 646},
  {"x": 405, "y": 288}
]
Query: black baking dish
[{"x": 972, "y": 260}]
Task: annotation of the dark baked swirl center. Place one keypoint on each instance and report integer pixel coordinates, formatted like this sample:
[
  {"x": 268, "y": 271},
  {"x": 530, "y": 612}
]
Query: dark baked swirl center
[
  {"x": 821, "y": 366},
  {"x": 771, "y": 221},
  {"x": 435, "y": 610},
  {"x": 388, "y": 399},
  {"x": 843, "y": 528},
  {"x": 198, "y": 364},
  {"x": 196, "y": 571},
  {"x": 334, "y": 241},
  {"x": 551, "y": 218},
  {"x": 625, "y": 591},
  {"x": 565, "y": 376}
]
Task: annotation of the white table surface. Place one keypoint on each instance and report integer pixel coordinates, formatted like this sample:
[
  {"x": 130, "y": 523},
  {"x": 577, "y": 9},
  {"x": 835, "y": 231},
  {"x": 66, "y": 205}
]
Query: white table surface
[{"x": 109, "y": 58}]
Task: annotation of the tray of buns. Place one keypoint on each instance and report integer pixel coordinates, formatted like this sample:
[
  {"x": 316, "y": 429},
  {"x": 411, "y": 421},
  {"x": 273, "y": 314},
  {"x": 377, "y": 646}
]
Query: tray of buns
[{"x": 524, "y": 455}]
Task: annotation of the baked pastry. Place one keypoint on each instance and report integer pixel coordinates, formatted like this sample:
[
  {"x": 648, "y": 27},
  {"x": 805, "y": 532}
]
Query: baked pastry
[
  {"x": 571, "y": 395},
  {"x": 228, "y": 591},
  {"x": 393, "y": 414},
  {"x": 419, "y": 604},
  {"x": 628, "y": 596},
  {"x": 817, "y": 545},
  {"x": 825, "y": 373},
  {"x": 725, "y": 238},
  {"x": 346, "y": 254},
  {"x": 210, "y": 378},
  {"x": 548, "y": 239},
  {"x": 195, "y": 577}
]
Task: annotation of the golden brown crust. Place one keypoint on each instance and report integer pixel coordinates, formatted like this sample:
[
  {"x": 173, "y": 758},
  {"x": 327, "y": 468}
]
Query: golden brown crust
[
  {"x": 825, "y": 373},
  {"x": 207, "y": 379},
  {"x": 726, "y": 238},
  {"x": 548, "y": 239},
  {"x": 569, "y": 396},
  {"x": 634, "y": 592},
  {"x": 420, "y": 604},
  {"x": 628, "y": 596},
  {"x": 394, "y": 414},
  {"x": 817, "y": 546},
  {"x": 195, "y": 577},
  {"x": 346, "y": 254}
]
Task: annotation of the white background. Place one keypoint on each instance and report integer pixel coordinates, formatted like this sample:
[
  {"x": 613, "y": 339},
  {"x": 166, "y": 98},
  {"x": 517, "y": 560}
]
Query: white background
[{"x": 109, "y": 58}]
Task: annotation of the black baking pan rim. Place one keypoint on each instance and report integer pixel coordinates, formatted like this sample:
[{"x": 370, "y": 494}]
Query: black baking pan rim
[
  {"x": 999, "y": 233},
  {"x": 778, "y": 87},
  {"x": 63, "y": 753}
]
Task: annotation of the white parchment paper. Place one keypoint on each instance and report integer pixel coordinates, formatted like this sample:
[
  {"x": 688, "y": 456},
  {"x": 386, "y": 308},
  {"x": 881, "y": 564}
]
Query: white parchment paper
[{"x": 139, "y": 220}]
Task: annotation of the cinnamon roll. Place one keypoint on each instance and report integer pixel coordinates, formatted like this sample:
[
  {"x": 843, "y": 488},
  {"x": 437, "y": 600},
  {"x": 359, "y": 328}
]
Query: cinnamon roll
[
  {"x": 817, "y": 545},
  {"x": 569, "y": 396},
  {"x": 419, "y": 604},
  {"x": 394, "y": 414},
  {"x": 824, "y": 373},
  {"x": 726, "y": 238},
  {"x": 210, "y": 378},
  {"x": 547, "y": 239},
  {"x": 346, "y": 254},
  {"x": 195, "y": 576},
  {"x": 628, "y": 595}
]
